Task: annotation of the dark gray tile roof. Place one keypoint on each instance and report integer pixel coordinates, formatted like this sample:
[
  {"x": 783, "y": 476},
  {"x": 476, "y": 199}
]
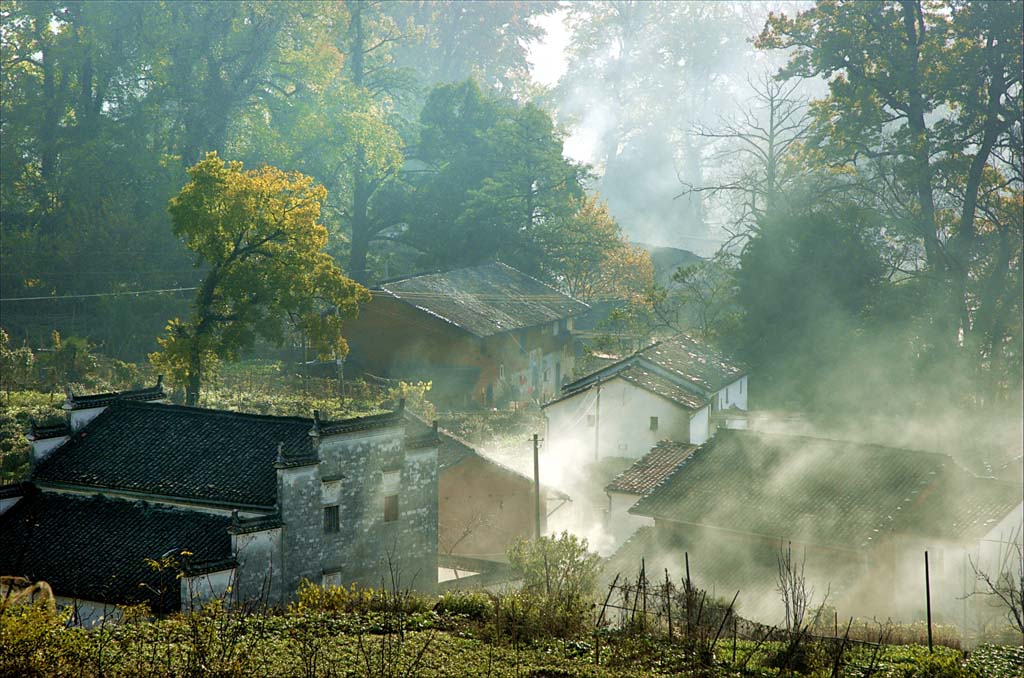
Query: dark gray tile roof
[
  {"x": 654, "y": 383},
  {"x": 651, "y": 469},
  {"x": 96, "y": 548},
  {"x": 825, "y": 492},
  {"x": 685, "y": 371},
  {"x": 42, "y": 432},
  {"x": 177, "y": 451},
  {"x": 695, "y": 362},
  {"x": 485, "y": 300},
  {"x": 82, "y": 402}
]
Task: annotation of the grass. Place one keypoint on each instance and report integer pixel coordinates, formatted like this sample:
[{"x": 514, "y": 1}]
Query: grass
[{"x": 305, "y": 641}]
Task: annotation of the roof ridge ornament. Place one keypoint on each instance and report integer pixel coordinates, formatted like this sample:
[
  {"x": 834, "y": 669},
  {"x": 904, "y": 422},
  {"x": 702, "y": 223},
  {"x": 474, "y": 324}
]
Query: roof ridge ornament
[{"x": 317, "y": 429}]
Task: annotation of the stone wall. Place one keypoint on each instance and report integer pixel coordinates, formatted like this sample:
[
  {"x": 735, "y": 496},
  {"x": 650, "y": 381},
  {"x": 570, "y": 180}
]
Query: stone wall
[{"x": 357, "y": 472}]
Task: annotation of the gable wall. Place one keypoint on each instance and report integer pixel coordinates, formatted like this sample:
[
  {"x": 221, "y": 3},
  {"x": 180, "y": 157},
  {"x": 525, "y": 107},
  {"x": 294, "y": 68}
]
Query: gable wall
[
  {"x": 390, "y": 335},
  {"x": 625, "y": 413},
  {"x": 493, "y": 505},
  {"x": 354, "y": 466}
]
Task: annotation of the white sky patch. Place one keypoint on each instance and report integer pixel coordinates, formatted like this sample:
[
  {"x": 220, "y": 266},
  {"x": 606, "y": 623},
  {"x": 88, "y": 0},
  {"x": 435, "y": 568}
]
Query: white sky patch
[
  {"x": 548, "y": 63},
  {"x": 547, "y": 56}
]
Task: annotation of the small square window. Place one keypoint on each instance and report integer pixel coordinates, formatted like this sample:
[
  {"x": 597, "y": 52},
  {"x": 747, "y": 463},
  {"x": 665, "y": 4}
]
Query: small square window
[
  {"x": 591, "y": 420},
  {"x": 332, "y": 520},
  {"x": 390, "y": 508},
  {"x": 654, "y": 423}
]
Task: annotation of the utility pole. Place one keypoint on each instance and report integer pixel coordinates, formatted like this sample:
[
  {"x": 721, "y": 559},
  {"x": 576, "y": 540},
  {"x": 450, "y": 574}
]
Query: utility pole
[
  {"x": 597, "y": 423},
  {"x": 536, "y": 487},
  {"x": 928, "y": 599}
]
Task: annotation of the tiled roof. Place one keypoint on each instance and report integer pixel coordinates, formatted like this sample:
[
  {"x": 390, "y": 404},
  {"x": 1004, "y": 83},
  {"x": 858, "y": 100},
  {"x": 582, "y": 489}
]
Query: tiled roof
[
  {"x": 179, "y": 451},
  {"x": 82, "y": 402},
  {"x": 651, "y": 469},
  {"x": 653, "y": 382},
  {"x": 824, "y": 492},
  {"x": 96, "y": 548},
  {"x": 695, "y": 362},
  {"x": 485, "y": 300},
  {"x": 37, "y": 432},
  {"x": 685, "y": 371},
  {"x": 191, "y": 453}
]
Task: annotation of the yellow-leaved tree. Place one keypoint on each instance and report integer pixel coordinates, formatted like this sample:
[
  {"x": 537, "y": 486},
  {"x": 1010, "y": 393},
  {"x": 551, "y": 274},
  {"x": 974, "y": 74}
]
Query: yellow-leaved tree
[{"x": 258, "y": 237}]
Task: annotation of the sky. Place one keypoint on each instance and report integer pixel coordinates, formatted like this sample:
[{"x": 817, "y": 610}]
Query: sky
[{"x": 548, "y": 62}]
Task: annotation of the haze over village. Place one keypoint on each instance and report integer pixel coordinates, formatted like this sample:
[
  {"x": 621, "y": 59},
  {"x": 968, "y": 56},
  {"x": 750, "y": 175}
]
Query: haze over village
[{"x": 625, "y": 337}]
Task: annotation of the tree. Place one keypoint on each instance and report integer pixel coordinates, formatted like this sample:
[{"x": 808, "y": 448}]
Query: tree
[
  {"x": 922, "y": 97},
  {"x": 257, "y": 234},
  {"x": 491, "y": 169},
  {"x": 806, "y": 284},
  {"x": 756, "y": 151},
  {"x": 641, "y": 75},
  {"x": 589, "y": 258},
  {"x": 487, "y": 41}
]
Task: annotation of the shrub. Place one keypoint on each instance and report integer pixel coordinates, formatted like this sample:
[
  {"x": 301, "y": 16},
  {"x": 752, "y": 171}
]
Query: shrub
[
  {"x": 559, "y": 576},
  {"x": 470, "y": 604}
]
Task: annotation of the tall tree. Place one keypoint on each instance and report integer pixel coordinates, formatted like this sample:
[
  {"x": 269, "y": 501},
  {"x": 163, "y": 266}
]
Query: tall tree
[
  {"x": 641, "y": 75},
  {"x": 257, "y": 234},
  {"x": 921, "y": 97},
  {"x": 487, "y": 40}
]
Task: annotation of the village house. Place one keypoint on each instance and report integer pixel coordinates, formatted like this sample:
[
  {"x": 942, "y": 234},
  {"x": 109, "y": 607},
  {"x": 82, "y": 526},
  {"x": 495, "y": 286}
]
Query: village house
[
  {"x": 676, "y": 389},
  {"x": 485, "y": 335},
  {"x": 637, "y": 481},
  {"x": 245, "y": 503},
  {"x": 485, "y": 506},
  {"x": 858, "y": 516}
]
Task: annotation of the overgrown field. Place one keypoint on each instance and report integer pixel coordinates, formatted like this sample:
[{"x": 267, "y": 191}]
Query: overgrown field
[{"x": 346, "y": 633}]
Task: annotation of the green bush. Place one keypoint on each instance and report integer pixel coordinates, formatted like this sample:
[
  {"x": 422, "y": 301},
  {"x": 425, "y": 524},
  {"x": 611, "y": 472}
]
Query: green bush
[{"x": 470, "y": 604}]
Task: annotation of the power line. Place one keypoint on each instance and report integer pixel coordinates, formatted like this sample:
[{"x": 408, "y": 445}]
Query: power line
[{"x": 100, "y": 294}]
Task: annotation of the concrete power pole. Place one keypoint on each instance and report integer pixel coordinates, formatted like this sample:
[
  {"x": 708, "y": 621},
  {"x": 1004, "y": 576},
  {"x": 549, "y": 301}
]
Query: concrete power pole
[
  {"x": 536, "y": 487},
  {"x": 597, "y": 423}
]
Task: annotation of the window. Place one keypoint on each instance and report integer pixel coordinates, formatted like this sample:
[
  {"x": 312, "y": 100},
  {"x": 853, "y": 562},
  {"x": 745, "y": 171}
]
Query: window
[
  {"x": 591, "y": 420},
  {"x": 563, "y": 326},
  {"x": 741, "y": 387},
  {"x": 501, "y": 371},
  {"x": 554, "y": 329},
  {"x": 545, "y": 375},
  {"x": 390, "y": 508},
  {"x": 654, "y": 423},
  {"x": 332, "y": 522}
]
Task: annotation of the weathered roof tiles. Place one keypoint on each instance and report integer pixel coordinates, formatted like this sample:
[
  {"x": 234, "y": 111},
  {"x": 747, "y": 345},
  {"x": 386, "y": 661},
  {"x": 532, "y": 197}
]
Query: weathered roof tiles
[{"x": 485, "y": 300}]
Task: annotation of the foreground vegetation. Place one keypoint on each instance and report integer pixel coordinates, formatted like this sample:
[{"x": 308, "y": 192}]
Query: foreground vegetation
[{"x": 339, "y": 632}]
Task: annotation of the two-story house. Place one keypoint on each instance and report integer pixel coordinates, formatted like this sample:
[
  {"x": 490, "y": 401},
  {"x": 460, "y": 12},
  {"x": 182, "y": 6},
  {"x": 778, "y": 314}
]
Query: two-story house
[
  {"x": 672, "y": 390},
  {"x": 486, "y": 334},
  {"x": 250, "y": 504}
]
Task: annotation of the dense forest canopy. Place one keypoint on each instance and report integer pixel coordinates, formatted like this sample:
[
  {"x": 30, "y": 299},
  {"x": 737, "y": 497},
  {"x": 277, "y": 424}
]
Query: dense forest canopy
[{"x": 857, "y": 166}]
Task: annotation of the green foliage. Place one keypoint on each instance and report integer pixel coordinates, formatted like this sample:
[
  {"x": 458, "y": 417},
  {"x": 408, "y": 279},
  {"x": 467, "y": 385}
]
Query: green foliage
[
  {"x": 257, "y": 231},
  {"x": 415, "y": 395},
  {"x": 473, "y": 605},
  {"x": 495, "y": 170},
  {"x": 559, "y": 576},
  {"x": 922, "y": 111},
  {"x": 806, "y": 285},
  {"x": 18, "y": 409}
]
